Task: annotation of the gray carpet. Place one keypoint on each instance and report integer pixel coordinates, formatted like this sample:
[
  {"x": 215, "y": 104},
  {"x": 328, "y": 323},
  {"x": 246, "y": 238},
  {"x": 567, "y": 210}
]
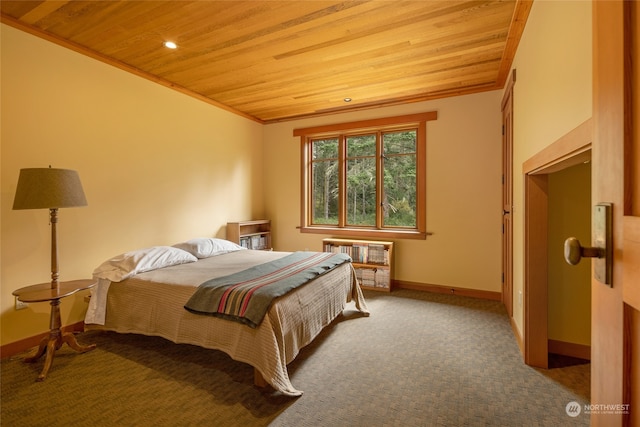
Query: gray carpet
[{"x": 420, "y": 359}]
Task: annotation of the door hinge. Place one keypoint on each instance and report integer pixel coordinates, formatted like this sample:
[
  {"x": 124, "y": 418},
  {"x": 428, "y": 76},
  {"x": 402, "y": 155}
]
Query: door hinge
[{"x": 502, "y": 130}]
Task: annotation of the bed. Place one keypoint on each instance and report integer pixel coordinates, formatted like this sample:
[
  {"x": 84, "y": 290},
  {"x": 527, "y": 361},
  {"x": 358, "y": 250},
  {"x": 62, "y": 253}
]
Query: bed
[{"x": 145, "y": 292}]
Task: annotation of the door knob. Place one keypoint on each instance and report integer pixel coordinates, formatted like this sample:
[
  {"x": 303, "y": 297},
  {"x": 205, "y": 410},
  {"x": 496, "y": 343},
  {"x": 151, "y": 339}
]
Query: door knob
[
  {"x": 574, "y": 251},
  {"x": 603, "y": 242}
]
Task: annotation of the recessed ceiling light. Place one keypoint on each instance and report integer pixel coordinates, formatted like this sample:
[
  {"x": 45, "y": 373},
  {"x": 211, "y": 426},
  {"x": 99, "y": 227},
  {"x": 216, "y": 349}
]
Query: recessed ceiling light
[
  {"x": 170, "y": 45},
  {"x": 347, "y": 100}
]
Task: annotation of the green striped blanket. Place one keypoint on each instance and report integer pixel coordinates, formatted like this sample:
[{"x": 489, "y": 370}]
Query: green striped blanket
[{"x": 247, "y": 295}]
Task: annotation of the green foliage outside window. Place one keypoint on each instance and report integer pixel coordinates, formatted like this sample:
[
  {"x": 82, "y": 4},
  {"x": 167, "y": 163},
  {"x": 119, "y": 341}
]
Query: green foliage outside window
[
  {"x": 365, "y": 178},
  {"x": 325, "y": 181},
  {"x": 397, "y": 201}
]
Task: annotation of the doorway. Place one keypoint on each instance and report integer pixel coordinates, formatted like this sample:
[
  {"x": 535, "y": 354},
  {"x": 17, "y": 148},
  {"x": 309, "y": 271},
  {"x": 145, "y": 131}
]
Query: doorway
[
  {"x": 569, "y": 286},
  {"x": 570, "y": 150}
]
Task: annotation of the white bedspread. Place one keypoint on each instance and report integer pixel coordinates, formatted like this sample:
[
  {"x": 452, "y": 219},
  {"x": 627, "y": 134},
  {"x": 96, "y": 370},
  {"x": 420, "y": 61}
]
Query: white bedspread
[{"x": 152, "y": 303}]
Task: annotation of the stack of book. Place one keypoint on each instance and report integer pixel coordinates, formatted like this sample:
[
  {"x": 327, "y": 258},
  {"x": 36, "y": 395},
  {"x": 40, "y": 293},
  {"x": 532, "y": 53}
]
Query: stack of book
[
  {"x": 377, "y": 254},
  {"x": 382, "y": 278},
  {"x": 366, "y": 277},
  {"x": 257, "y": 242},
  {"x": 362, "y": 253}
]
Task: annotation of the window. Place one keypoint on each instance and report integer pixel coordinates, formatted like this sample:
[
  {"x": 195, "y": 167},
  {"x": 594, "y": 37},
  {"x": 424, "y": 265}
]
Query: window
[{"x": 366, "y": 179}]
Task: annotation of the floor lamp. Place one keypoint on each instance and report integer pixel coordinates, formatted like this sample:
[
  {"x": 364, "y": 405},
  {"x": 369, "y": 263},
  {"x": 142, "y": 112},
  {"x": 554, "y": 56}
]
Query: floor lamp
[{"x": 48, "y": 188}]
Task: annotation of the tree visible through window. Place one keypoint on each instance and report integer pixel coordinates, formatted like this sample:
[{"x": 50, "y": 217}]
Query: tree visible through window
[
  {"x": 400, "y": 175},
  {"x": 366, "y": 178},
  {"x": 325, "y": 181}
]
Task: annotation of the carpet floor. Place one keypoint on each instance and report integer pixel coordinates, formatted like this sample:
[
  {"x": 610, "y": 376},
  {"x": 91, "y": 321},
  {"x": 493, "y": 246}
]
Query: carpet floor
[{"x": 420, "y": 359}]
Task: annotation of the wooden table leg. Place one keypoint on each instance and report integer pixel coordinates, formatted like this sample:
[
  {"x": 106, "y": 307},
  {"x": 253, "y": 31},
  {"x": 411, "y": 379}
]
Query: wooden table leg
[
  {"x": 54, "y": 341},
  {"x": 41, "y": 349},
  {"x": 51, "y": 350},
  {"x": 71, "y": 341}
]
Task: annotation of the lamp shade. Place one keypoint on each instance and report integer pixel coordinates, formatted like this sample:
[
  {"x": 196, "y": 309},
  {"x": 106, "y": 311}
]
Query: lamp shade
[{"x": 40, "y": 188}]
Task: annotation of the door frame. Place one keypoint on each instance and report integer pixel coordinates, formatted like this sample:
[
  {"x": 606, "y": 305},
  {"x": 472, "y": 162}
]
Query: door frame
[
  {"x": 571, "y": 149},
  {"x": 507, "y": 195}
]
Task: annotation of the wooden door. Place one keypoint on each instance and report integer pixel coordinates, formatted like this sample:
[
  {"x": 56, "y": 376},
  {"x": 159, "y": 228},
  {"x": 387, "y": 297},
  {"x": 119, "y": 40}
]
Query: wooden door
[
  {"x": 631, "y": 220},
  {"x": 507, "y": 196},
  {"x": 615, "y": 342}
]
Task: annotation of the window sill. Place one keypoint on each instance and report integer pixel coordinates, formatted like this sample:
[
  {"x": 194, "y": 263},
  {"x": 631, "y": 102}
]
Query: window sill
[{"x": 367, "y": 233}]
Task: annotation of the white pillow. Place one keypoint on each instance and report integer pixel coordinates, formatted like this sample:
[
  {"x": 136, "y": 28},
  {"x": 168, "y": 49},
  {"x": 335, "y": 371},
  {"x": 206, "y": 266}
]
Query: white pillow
[
  {"x": 205, "y": 247},
  {"x": 131, "y": 263}
]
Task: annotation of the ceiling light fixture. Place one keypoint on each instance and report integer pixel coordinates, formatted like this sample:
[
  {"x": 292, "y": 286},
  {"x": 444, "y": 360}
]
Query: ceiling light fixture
[
  {"x": 170, "y": 45},
  {"x": 347, "y": 100}
]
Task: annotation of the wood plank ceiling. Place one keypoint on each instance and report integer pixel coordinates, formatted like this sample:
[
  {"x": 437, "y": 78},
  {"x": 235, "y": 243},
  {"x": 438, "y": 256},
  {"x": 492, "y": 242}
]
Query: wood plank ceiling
[{"x": 281, "y": 60}]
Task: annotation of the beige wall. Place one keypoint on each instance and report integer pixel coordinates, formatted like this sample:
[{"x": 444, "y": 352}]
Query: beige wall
[
  {"x": 463, "y": 191},
  {"x": 552, "y": 96},
  {"x": 569, "y": 287},
  {"x": 157, "y": 167}
]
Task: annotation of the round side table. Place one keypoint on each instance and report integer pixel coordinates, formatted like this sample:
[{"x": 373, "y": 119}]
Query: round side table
[{"x": 43, "y": 292}]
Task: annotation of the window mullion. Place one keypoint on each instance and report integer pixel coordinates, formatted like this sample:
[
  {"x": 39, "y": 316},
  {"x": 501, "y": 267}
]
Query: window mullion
[
  {"x": 342, "y": 185},
  {"x": 421, "y": 179},
  {"x": 307, "y": 202},
  {"x": 379, "y": 181}
]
